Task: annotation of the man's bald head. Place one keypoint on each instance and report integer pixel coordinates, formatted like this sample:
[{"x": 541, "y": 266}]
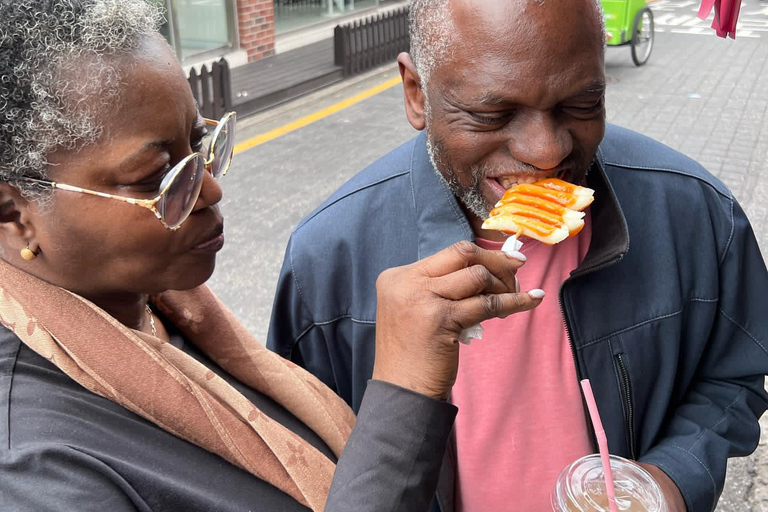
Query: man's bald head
[{"x": 432, "y": 24}]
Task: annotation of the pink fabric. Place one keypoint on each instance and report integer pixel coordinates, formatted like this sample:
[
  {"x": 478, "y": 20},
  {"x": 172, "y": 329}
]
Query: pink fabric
[
  {"x": 726, "y": 15},
  {"x": 521, "y": 418}
]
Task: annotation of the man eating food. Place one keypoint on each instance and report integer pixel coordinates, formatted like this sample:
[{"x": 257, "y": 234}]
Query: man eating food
[{"x": 659, "y": 300}]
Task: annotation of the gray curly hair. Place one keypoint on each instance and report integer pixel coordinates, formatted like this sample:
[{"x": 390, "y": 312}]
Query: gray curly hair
[
  {"x": 55, "y": 55},
  {"x": 431, "y": 28}
]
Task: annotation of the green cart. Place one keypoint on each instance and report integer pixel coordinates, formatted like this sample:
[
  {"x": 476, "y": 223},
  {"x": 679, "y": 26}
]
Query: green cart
[{"x": 629, "y": 22}]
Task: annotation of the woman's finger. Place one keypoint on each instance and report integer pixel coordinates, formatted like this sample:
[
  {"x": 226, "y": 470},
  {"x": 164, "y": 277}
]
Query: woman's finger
[
  {"x": 477, "y": 309},
  {"x": 465, "y": 254},
  {"x": 467, "y": 282},
  {"x": 503, "y": 266}
]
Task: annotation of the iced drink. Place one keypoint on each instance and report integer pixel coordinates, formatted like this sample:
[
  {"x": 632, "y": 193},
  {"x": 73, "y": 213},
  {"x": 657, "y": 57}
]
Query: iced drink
[{"x": 581, "y": 487}]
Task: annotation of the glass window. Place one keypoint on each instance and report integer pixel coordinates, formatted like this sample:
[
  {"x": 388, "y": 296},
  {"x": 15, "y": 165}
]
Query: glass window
[
  {"x": 197, "y": 27},
  {"x": 203, "y": 25},
  {"x": 292, "y": 14}
]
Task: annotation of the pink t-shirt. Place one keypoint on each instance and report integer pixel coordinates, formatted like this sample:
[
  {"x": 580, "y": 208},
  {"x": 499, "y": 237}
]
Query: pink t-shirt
[{"x": 521, "y": 418}]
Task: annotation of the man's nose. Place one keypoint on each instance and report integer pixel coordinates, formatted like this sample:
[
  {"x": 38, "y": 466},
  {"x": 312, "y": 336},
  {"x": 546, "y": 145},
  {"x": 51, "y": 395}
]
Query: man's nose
[{"x": 539, "y": 140}]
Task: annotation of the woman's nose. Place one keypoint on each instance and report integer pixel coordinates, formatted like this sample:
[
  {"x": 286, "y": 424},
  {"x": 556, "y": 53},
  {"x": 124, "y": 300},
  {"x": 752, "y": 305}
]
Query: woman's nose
[{"x": 210, "y": 192}]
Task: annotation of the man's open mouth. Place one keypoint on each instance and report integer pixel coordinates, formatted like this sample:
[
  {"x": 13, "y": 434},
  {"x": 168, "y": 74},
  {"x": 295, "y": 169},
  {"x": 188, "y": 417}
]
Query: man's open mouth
[{"x": 507, "y": 182}]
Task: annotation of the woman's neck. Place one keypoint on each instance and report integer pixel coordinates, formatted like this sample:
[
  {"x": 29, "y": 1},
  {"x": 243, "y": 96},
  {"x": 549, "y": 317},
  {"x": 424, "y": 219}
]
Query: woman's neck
[{"x": 129, "y": 309}]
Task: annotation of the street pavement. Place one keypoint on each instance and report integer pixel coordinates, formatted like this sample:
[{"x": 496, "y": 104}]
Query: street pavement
[{"x": 699, "y": 94}]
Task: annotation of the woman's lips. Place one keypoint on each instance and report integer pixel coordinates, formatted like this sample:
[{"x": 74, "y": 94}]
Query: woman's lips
[{"x": 213, "y": 245}]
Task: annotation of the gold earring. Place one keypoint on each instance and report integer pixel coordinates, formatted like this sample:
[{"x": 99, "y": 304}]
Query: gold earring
[{"x": 28, "y": 254}]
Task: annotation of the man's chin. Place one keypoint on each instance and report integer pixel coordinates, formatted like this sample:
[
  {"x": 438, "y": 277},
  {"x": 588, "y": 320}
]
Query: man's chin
[{"x": 477, "y": 205}]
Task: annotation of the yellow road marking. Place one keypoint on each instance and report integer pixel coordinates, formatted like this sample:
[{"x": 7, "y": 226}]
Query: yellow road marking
[{"x": 316, "y": 116}]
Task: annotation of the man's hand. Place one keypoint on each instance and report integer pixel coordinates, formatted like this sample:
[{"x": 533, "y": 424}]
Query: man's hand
[
  {"x": 423, "y": 307},
  {"x": 672, "y": 494}
]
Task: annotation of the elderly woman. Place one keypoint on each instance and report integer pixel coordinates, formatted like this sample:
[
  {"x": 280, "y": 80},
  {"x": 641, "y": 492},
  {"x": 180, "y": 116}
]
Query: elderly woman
[{"x": 124, "y": 383}]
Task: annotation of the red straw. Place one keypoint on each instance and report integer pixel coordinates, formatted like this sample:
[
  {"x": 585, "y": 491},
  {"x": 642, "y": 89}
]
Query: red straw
[{"x": 602, "y": 444}]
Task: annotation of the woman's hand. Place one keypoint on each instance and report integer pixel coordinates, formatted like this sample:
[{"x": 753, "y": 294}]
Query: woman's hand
[{"x": 423, "y": 307}]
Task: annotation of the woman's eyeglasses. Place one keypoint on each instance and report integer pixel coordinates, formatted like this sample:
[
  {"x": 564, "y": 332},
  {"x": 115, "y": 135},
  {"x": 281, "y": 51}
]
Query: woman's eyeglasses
[{"x": 181, "y": 187}]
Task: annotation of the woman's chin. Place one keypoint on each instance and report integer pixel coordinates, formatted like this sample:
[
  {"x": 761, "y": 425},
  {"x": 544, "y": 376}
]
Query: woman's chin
[{"x": 193, "y": 277}]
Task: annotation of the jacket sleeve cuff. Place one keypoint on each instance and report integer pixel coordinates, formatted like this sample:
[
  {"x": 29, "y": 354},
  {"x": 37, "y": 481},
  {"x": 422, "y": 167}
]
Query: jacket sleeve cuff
[
  {"x": 695, "y": 482},
  {"x": 414, "y": 411}
]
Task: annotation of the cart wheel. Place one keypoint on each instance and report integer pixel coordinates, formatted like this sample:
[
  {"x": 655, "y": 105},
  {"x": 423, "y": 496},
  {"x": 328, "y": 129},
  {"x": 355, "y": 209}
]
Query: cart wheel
[{"x": 642, "y": 37}]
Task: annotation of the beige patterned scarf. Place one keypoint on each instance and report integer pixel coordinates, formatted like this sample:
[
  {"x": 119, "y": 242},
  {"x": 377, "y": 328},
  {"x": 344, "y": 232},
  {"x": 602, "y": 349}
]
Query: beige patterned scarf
[{"x": 164, "y": 385}]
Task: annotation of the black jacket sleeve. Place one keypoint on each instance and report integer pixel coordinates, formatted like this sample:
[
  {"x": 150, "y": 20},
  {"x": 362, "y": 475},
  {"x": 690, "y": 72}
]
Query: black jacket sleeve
[{"x": 393, "y": 457}]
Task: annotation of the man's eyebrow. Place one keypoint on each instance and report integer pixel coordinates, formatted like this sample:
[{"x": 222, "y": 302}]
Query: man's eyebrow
[
  {"x": 492, "y": 99},
  {"x": 489, "y": 98}
]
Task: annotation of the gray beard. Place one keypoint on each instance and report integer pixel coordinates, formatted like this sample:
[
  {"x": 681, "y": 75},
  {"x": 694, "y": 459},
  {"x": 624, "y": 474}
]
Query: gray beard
[{"x": 470, "y": 197}]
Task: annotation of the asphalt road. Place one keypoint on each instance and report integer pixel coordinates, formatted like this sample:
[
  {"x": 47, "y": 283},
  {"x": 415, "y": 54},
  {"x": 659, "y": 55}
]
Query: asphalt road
[{"x": 699, "y": 94}]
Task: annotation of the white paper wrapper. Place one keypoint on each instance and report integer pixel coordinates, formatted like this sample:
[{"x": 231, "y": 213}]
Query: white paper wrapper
[
  {"x": 512, "y": 244},
  {"x": 472, "y": 333}
]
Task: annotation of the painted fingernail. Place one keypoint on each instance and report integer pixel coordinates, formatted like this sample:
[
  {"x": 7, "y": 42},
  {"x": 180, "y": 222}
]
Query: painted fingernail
[
  {"x": 537, "y": 294},
  {"x": 517, "y": 255},
  {"x": 517, "y": 285}
]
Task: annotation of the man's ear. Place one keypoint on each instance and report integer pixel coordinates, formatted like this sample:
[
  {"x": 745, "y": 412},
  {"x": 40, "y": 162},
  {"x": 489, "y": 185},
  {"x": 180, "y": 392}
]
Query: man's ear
[
  {"x": 16, "y": 227},
  {"x": 414, "y": 95}
]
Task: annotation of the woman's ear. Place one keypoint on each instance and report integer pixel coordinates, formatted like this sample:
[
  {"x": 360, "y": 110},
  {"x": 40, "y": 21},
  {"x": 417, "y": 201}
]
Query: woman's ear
[
  {"x": 16, "y": 226},
  {"x": 414, "y": 95}
]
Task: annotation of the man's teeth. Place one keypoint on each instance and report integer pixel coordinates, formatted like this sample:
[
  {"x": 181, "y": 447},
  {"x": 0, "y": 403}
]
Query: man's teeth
[{"x": 509, "y": 182}]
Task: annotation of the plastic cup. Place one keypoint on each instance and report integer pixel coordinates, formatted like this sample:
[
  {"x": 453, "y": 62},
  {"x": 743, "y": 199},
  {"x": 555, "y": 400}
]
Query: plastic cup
[{"x": 581, "y": 487}]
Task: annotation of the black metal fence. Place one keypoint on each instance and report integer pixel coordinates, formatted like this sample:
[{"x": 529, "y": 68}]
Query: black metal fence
[
  {"x": 212, "y": 89},
  {"x": 371, "y": 42}
]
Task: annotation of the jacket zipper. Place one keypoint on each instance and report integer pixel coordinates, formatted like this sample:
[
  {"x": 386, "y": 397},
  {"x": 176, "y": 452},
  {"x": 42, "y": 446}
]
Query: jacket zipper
[
  {"x": 579, "y": 377},
  {"x": 627, "y": 398}
]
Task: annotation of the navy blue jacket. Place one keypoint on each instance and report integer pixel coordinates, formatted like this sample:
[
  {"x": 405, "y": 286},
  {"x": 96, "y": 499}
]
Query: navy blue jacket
[{"x": 667, "y": 315}]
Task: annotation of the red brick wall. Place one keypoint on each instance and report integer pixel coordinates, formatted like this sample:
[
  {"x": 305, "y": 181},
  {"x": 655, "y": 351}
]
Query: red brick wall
[{"x": 256, "y": 27}]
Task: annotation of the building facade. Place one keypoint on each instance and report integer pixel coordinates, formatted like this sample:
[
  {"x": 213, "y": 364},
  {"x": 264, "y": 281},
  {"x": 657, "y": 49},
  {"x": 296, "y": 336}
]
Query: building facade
[{"x": 244, "y": 30}]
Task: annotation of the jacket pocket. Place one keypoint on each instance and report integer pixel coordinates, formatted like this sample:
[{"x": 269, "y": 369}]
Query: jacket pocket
[{"x": 625, "y": 388}]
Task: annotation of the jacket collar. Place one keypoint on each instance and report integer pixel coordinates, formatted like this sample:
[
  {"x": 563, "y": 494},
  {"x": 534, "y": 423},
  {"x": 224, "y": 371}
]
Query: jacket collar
[
  {"x": 610, "y": 234},
  {"x": 441, "y": 221}
]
